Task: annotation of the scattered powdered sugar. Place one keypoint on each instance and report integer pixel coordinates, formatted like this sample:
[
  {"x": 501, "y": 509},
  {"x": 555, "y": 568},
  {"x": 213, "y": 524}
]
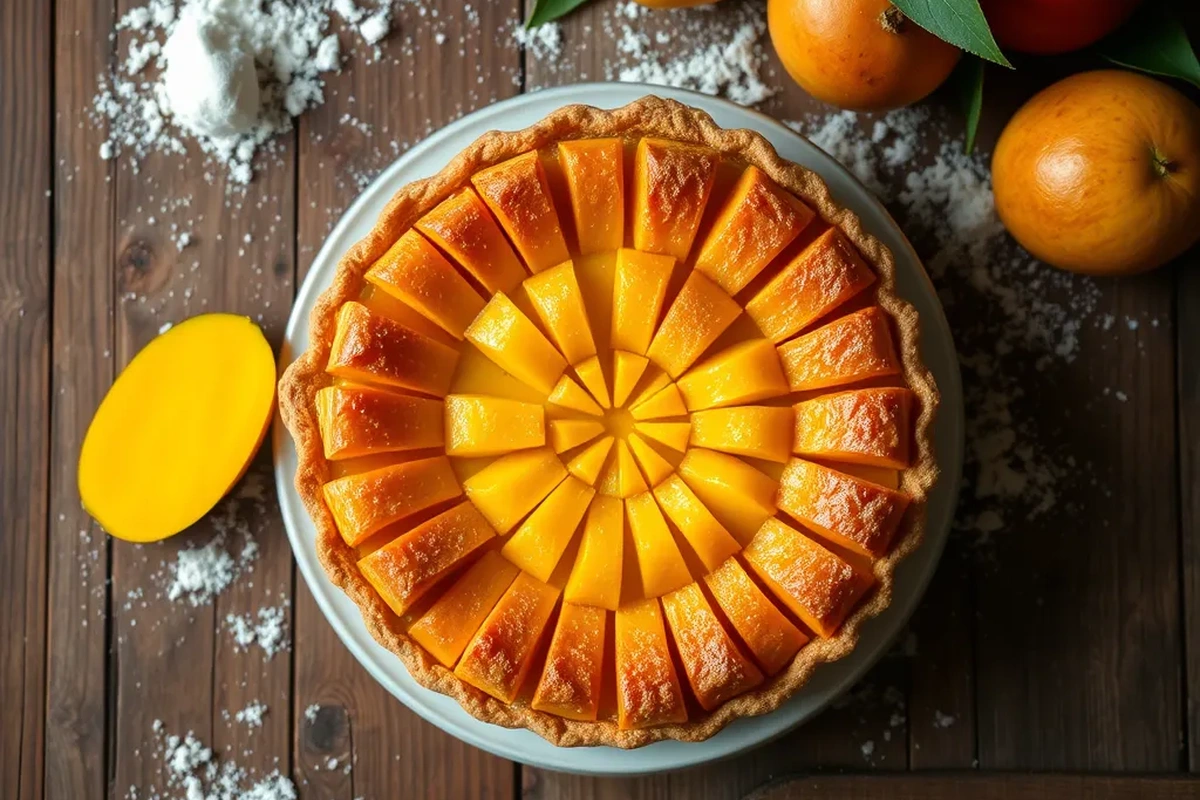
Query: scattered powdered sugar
[
  {"x": 543, "y": 42},
  {"x": 310, "y": 712},
  {"x": 194, "y": 772},
  {"x": 252, "y": 715},
  {"x": 267, "y": 628},
  {"x": 941, "y": 720}
]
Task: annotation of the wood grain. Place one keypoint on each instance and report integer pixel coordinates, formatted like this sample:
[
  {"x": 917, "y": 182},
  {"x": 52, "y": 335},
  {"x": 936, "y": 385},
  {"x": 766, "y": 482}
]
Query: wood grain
[
  {"x": 1187, "y": 371},
  {"x": 982, "y": 787}
]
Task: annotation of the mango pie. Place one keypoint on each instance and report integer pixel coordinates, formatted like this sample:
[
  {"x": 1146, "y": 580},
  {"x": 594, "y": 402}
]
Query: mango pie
[{"x": 615, "y": 428}]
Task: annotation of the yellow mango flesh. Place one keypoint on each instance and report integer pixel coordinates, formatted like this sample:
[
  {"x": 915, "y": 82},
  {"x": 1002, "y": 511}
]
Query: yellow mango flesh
[
  {"x": 654, "y": 467},
  {"x": 627, "y": 371},
  {"x": 571, "y": 678},
  {"x": 769, "y": 635},
  {"x": 478, "y": 374},
  {"x": 654, "y": 381},
  {"x": 366, "y": 502},
  {"x": 674, "y": 435},
  {"x": 706, "y": 535},
  {"x": 514, "y": 343},
  {"x": 518, "y": 194},
  {"x": 558, "y": 303},
  {"x": 448, "y": 625},
  {"x": 672, "y": 182},
  {"x": 592, "y": 376},
  {"x": 596, "y": 575},
  {"x": 462, "y": 227},
  {"x": 660, "y": 563},
  {"x": 862, "y": 426},
  {"x": 539, "y": 543},
  {"x": 587, "y": 465},
  {"x": 743, "y": 373},
  {"x": 567, "y": 434},
  {"x": 856, "y": 347},
  {"x": 648, "y": 691},
  {"x": 373, "y": 348},
  {"x": 622, "y": 478},
  {"x": 757, "y": 431},
  {"x": 509, "y": 488},
  {"x": 700, "y": 313},
  {"x": 667, "y": 403},
  {"x": 383, "y": 304},
  {"x": 639, "y": 288},
  {"x": 360, "y": 420},
  {"x": 736, "y": 493},
  {"x": 569, "y": 394},
  {"x": 477, "y": 425},
  {"x": 596, "y": 181},
  {"x": 178, "y": 427}
]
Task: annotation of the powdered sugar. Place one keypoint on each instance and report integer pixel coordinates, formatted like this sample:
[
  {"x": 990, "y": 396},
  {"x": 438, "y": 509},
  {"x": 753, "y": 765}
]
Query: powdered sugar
[
  {"x": 194, "y": 772},
  {"x": 267, "y": 628}
]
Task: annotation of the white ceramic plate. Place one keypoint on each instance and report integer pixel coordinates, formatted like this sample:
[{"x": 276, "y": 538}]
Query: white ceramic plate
[{"x": 829, "y": 680}]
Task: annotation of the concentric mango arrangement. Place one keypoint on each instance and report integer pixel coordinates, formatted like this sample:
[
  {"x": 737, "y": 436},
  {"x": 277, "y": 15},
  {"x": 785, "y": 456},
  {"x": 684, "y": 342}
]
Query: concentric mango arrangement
[{"x": 616, "y": 430}]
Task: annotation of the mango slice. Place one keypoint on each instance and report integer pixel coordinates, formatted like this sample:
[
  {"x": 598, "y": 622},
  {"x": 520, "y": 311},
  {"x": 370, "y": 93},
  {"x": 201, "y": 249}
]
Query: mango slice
[
  {"x": 700, "y": 314},
  {"x": 558, "y": 303},
  {"x": 668, "y": 402},
  {"x": 627, "y": 371},
  {"x": 360, "y": 420},
  {"x": 377, "y": 301},
  {"x": 654, "y": 381},
  {"x": 413, "y": 271},
  {"x": 570, "y": 683},
  {"x": 856, "y": 347},
  {"x": 596, "y": 181},
  {"x": 757, "y": 221},
  {"x": 706, "y": 535},
  {"x": 756, "y": 431},
  {"x": 648, "y": 691},
  {"x": 514, "y": 343},
  {"x": 406, "y": 567},
  {"x": 372, "y": 348},
  {"x": 674, "y": 435},
  {"x": 639, "y": 289},
  {"x": 178, "y": 427},
  {"x": 596, "y": 575},
  {"x": 744, "y": 373},
  {"x": 715, "y": 667},
  {"x": 462, "y": 226},
  {"x": 509, "y": 488},
  {"x": 539, "y": 543},
  {"x": 448, "y": 625},
  {"x": 736, "y": 493},
  {"x": 592, "y": 376},
  {"x": 490, "y": 426},
  {"x": 364, "y": 503},
  {"x": 478, "y": 374},
  {"x": 567, "y": 434},
  {"x": 499, "y": 656},
  {"x": 770, "y": 636},
  {"x": 820, "y": 588},
  {"x": 587, "y": 465},
  {"x": 660, "y": 563},
  {"x": 569, "y": 394},
  {"x": 850, "y": 511},
  {"x": 862, "y": 426},
  {"x": 672, "y": 182},
  {"x": 826, "y": 274},
  {"x": 654, "y": 467},
  {"x": 622, "y": 478},
  {"x": 518, "y": 194}
]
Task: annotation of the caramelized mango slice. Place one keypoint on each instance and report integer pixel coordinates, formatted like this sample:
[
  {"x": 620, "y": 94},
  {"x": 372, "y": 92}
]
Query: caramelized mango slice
[
  {"x": 558, "y": 302},
  {"x": 622, "y": 478},
  {"x": 566, "y": 434},
  {"x": 491, "y": 426},
  {"x": 513, "y": 342},
  {"x": 406, "y": 567},
  {"x": 587, "y": 465},
  {"x": 736, "y": 493},
  {"x": 674, "y": 435},
  {"x": 358, "y": 421},
  {"x": 672, "y": 182},
  {"x": 539, "y": 543},
  {"x": 768, "y": 634},
  {"x": 746, "y": 372},
  {"x": 517, "y": 193},
  {"x": 856, "y": 347},
  {"x": 849, "y": 511},
  {"x": 627, "y": 371},
  {"x": 639, "y": 288},
  {"x": 654, "y": 467},
  {"x": 596, "y": 182},
  {"x": 707, "y": 536},
  {"x": 380, "y": 302},
  {"x": 447, "y": 626},
  {"x": 570, "y": 684},
  {"x": 826, "y": 274},
  {"x": 596, "y": 576},
  {"x": 757, "y": 431},
  {"x": 757, "y": 221},
  {"x": 463, "y": 227},
  {"x": 373, "y": 348},
  {"x": 499, "y": 655},
  {"x": 508, "y": 488},
  {"x": 701, "y": 312},
  {"x": 364, "y": 503},
  {"x": 820, "y": 588},
  {"x": 414, "y": 271},
  {"x": 862, "y": 426},
  {"x": 592, "y": 376},
  {"x": 715, "y": 667},
  {"x": 569, "y": 394},
  {"x": 660, "y": 563},
  {"x": 648, "y": 691},
  {"x": 668, "y": 402}
]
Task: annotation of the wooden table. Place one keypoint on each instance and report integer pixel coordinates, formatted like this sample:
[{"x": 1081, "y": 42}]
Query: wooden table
[{"x": 1072, "y": 650}]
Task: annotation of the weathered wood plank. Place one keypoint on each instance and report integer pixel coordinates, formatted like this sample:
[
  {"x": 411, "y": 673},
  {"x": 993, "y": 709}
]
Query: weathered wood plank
[
  {"x": 1187, "y": 371},
  {"x": 982, "y": 787}
]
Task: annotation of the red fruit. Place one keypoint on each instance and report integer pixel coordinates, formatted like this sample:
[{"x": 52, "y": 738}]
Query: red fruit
[{"x": 1054, "y": 26}]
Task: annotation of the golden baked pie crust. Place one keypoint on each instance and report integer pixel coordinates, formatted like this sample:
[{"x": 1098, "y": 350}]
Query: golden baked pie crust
[{"x": 650, "y": 116}]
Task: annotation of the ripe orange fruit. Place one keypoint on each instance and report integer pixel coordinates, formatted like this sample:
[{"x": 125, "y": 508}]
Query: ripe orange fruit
[
  {"x": 1054, "y": 26},
  {"x": 1100, "y": 173},
  {"x": 860, "y": 54}
]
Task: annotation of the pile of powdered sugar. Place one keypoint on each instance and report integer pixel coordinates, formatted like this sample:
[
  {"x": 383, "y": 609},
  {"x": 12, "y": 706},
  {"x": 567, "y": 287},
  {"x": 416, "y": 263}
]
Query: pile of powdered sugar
[{"x": 194, "y": 772}]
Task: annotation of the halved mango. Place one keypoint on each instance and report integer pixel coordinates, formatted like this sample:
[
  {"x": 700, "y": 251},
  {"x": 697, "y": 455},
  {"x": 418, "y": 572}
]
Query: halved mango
[
  {"x": 716, "y": 669},
  {"x": 648, "y": 691},
  {"x": 592, "y": 376},
  {"x": 406, "y": 567},
  {"x": 639, "y": 289},
  {"x": 660, "y": 563},
  {"x": 596, "y": 181},
  {"x": 509, "y": 338},
  {"x": 826, "y": 274},
  {"x": 463, "y": 227},
  {"x": 862, "y": 426},
  {"x": 654, "y": 467},
  {"x": 767, "y": 632},
  {"x": 448, "y": 625},
  {"x": 364, "y": 503},
  {"x": 490, "y": 426},
  {"x": 818, "y": 586},
  {"x": 672, "y": 182},
  {"x": 622, "y": 478},
  {"x": 700, "y": 313},
  {"x": 509, "y": 488},
  {"x": 518, "y": 194},
  {"x": 757, "y": 431},
  {"x": 558, "y": 302},
  {"x": 668, "y": 402},
  {"x": 569, "y": 394},
  {"x": 627, "y": 370},
  {"x": 369, "y": 347},
  {"x": 674, "y": 435},
  {"x": 746, "y": 372},
  {"x": 736, "y": 493},
  {"x": 856, "y": 347},
  {"x": 596, "y": 576},
  {"x": 566, "y": 434},
  {"x": 757, "y": 221},
  {"x": 360, "y": 420},
  {"x": 413, "y": 271},
  {"x": 706, "y": 535},
  {"x": 539, "y": 543},
  {"x": 570, "y": 683}
]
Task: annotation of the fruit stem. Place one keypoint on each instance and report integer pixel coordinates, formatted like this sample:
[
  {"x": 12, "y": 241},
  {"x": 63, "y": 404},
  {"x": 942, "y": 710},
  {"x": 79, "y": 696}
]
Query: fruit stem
[
  {"x": 1162, "y": 165},
  {"x": 892, "y": 20}
]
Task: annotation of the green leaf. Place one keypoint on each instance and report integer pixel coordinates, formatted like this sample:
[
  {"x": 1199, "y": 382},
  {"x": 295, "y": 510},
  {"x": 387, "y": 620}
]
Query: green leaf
[
  {"x": 1154, "y": 41},
  {"x": 549, "y": 10},
  {"x": 967, "y": 83},
  {"x": 959, "y": 22}
]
